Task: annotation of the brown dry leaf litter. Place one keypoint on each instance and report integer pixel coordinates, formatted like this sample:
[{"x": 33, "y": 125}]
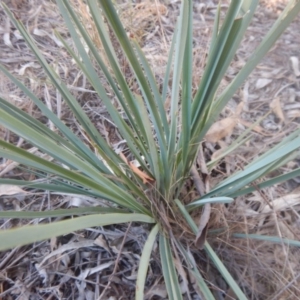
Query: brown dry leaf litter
[
  {"x": 80, "y": 265},
  {"x": 141, "y": 174},
  {"x": 6, "y": 189}
]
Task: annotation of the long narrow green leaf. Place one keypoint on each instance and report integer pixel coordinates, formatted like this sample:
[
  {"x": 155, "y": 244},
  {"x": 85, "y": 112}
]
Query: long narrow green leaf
[
  {"x": 153, "y": 85},
  {"x": 177, "y": 72},
  {"x": 56, "y": 185},
  {"x": 187, "y": 216},
  {"x": 37, "y": 137},
  {"x": 266, "y": 238},
  {"x": 215, "y": 31},
  {"x": 30, "y": 125},
  {"x": 259, "y": 165},
  {"x": 201, "y": 202},
  {"x": 222, "y": 269},
  {"x": 83, "y": 119},
  {"x": 119, "y": 31},
  {"x": 62, "y": 88},
  {"x": 232, "y": 188},
  {"x": 206, "y": 105},
  {"x": 214, "y": 59},
  {"x": 134, "y": 144},
  {"x": 193, "y": 269},
  {"x": 225, "y": 58},
  {"x": 208, "y": 108},
  {"x": 153, "y": 160},
  {"x": 168, "y": 68},
  {"x": 286, "y": 17},
  {"x": 274, "y": 157},
  {"x": 85, "y": 152},
  {"x": 164, "y": 171},
  {"x": 107, "y": 189},
  {"x": 168, "y": 268},
  {"x": 129, "y": 103},
  {"x": 187, "y": 74},
  {"x": 270, "y": 182},
  {"x": 128, "y": 107},
  {"x": 241, "y": 139},
  {"x": 50, "y": 146},
  {"x": 144, "y": 263},
  {"x": 219, "y": 265},
  {"x": 61, "y": 187},
  {"x": 59, "y": 212},
  {"x": 30, "y": 234},
  {"x": 88, "y": 69},
  {"x": 235, "y": 145},
  {"x": 90, "y": 72},
  {"x": 156, "y": 167},
  {"x": 276, "y": 148}
]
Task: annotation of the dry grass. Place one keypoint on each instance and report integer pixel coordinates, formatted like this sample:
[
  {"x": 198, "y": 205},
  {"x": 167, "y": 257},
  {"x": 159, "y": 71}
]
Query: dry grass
[{"x": 80, "y": 265}]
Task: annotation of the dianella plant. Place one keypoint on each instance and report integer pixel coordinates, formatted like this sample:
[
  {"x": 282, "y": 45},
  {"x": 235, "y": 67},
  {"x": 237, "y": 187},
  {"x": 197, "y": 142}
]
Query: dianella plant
[{"x": 163, "y": 143}]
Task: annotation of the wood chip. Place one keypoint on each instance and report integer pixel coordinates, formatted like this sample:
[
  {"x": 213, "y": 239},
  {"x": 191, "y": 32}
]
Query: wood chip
[
  {"x": 262, "y": 82},
  {"x": 8, "y": 190},
  {"x": 202, "y": 228},
  {"x": 256, "y": 128},
  {"x": 295, "y": 65},
  {"x": 276, "y": 108},
  {"x": 146, "y": 179},
  {"x": 221, "y": 129},
  {"x": 283, "y": 203}
]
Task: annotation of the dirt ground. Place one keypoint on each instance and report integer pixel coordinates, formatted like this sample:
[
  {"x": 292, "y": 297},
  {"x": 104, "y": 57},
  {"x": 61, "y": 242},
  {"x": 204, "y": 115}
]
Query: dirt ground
[{"x": 79, "y": 265}]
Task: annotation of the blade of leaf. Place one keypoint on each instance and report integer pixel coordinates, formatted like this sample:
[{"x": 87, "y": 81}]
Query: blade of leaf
[
  {"x": 121, "y": 34},
  {"x": 201, "y": 202},
  {"x": 168, "y": 268},
  {"x": 239, "y": 141},
  {"x": 214, "y": 59},
  {"x": 207, "y": 109},
  {"x": 30, "y": 234},
  {"x": 144, "y": 263},
  {"x": 153, "y": 85},
  {"x": 84, "y": 151},
  {"x": 48, "y": 145},
  {"x": 103, "y": 188},
  {"x": 187, "y": 216},
  {"x": 193, "y": 269},
  {"x": 168, "y": 68},
  {"x": 62, "y": 88},
  {"x": 187, "y": 72},
  {"x": 274, "y": 157},
  {"x": 134, "y": 117},
  {"x": 215, "y": 32},
  {"x": 97, "y": 16},
  {"x": 88, "y": 69},
  {"x": 226, "y": 275},
  {"x": 153, "y": 150},
  {"x": 177, "y": 72},
  {"x": 36, "y": 126},
  {"x": 59, "y": 212},
  {"x": 286, "y": 17},
  {"x": 220, "y": 266},
  {"x": 129, "y": 105},
  {"x": 266, "y": 238},
  {"x": 269, "y": 182},
  {"x": 58, "y": 187}
]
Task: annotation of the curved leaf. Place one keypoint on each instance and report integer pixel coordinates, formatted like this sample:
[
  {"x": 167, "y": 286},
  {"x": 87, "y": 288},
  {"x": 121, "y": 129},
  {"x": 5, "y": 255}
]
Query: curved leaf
[
  {"x": 144, "y": 263},
  {"x": 30, "y": 234},
  {"x": 168, "y": 268}
]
